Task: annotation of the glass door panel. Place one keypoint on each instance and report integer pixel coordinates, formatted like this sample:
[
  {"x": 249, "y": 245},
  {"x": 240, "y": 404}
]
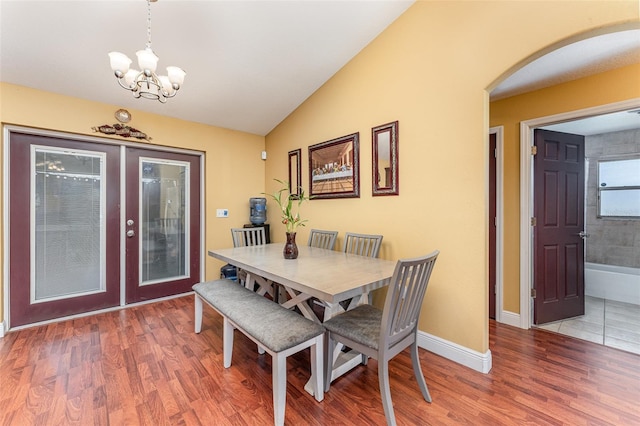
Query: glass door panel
[
  {"x": 68, "y": 223},
  {"x": 164, "y": 202}
]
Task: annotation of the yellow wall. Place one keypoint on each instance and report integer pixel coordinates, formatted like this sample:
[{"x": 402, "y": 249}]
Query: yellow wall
[
  {"x": 605, "y": 88},
  {"x": 430, "y": 70},
  {"x": 234, "y": 170}
]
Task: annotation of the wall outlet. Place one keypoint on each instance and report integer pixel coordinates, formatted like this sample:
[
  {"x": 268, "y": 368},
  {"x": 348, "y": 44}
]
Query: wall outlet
[{"x": 222, "y": 213}]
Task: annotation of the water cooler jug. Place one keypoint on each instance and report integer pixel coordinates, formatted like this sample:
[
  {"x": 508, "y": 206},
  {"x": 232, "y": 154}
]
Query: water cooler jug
[{"x": 257, "y": 210}]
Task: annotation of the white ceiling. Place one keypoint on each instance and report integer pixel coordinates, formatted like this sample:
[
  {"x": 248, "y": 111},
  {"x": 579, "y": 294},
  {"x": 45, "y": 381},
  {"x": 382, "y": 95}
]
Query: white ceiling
[
  {"x": 249, "y": 64},
  {"x": 573, "y": 61},
  {"x": 605, "y": 123}
]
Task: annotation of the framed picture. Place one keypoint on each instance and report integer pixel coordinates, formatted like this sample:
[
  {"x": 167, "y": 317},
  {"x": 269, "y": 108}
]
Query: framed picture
[
  {"x": 385, "y": 165},
  {"x": 295, "y": 172},
  {"x": 334, "y": 168}
]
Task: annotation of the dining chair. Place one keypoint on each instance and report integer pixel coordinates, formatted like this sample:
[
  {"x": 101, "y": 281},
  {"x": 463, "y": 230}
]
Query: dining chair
[
  {"x": 326, "y": 240},
  {"x": 322, "y": 239},
  {"x": 362, "y": 244},
  {"x": 382, "y": 334},
  {"x": 243, "y": 237}
]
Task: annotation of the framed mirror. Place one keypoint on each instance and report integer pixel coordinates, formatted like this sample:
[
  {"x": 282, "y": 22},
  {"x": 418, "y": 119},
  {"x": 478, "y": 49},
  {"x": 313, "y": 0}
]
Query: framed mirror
[
  {"x": 385, "y": 168},
  {"x": 295, "y": 172}
]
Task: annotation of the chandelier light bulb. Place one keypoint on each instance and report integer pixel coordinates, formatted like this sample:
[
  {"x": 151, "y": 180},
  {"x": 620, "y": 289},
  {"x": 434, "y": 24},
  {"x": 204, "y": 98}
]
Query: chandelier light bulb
[
  {"x": 176, "y": 76},
  {"x": 166, "y": 84},
  {"x": 130, "y": 78},
  {"x": 119, "y": 63},
  {"x": 147, "y": 60}
]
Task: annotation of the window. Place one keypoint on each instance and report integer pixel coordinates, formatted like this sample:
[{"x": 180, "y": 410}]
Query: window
[{"x": 619, "y": 188}]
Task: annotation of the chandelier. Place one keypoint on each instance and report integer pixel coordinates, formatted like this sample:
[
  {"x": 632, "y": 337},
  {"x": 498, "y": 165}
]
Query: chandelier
[{"x": 146, "y": 83}]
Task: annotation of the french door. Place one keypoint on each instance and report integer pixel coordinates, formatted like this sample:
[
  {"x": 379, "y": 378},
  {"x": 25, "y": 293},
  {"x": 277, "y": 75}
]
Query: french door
[
  {"x": 66, "y": 232},
  {"x": 162, "y": 224}
]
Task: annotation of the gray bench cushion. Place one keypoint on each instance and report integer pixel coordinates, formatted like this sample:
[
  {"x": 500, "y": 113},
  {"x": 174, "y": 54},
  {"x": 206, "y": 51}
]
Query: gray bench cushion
[{"x": 272, "y": 325}]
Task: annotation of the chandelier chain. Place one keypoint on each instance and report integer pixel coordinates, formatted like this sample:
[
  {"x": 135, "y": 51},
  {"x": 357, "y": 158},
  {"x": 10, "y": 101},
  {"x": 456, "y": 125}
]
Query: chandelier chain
[{"x": 149, "y": 24}]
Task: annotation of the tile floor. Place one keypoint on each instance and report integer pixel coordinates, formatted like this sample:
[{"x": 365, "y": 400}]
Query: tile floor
[{"x": 614, "y": 324}]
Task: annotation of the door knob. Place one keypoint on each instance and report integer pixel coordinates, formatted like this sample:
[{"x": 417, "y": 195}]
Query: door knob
[
  {"x": 131, "y": 233},
  {"x": 583, "y": 235}
]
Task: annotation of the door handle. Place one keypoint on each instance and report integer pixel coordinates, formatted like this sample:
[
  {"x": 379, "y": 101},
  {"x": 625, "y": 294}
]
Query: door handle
[
  {"x": 130, "y": 233},
  {"x": 583, "y": 235}
]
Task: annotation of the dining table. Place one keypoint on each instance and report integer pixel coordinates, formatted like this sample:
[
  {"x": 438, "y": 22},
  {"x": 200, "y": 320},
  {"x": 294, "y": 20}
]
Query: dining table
[{"x": 318, "y": 275}]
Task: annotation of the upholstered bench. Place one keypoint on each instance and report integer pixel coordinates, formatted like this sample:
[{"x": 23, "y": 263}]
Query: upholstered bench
[{"x": 277, "y": 330}]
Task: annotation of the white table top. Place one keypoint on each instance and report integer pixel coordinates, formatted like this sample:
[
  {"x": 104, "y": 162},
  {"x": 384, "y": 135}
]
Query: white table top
[{"x": 328, "y": 275}]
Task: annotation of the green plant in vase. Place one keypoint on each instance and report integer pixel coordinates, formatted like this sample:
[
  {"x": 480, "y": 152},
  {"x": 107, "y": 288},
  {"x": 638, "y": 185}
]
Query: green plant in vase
[{"x": 289, "y": 205}]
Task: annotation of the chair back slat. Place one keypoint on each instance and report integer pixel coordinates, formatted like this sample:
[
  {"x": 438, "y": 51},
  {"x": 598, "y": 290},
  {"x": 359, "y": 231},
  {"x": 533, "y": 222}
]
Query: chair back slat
[
  {"x": 243, "y": 237},
  {"x": 322, "y": 239},
  {"x": 362, "y": 244},
  {"x": 405, "y": 296}
]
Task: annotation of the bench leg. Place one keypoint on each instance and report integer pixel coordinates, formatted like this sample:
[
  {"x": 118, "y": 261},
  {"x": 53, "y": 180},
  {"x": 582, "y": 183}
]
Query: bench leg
[
  {"x": 317, "y": 355},
  {"x": 279, "y": 380},
  {"x": 198, "y": 313},
  {"x": 227, "y": 342}
]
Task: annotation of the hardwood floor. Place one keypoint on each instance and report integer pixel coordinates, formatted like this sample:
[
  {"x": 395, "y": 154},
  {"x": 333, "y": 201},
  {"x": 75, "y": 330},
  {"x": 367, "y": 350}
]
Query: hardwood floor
[{"x": 145, "y": 365}]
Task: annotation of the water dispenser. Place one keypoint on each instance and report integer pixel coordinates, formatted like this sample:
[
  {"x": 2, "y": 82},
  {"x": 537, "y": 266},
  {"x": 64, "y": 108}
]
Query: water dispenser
[{"x": 258, "y": 210}]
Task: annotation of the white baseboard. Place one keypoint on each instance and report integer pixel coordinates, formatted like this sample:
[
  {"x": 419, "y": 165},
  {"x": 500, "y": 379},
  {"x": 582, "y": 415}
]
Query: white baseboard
[
  {"x": 510, "y": 318},
  {"x": 456, "y": 353}
]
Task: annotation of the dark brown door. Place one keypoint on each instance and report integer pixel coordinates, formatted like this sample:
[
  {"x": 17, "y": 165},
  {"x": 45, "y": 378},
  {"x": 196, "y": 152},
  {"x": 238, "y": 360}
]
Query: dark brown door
[
  {"x": 162, "y": 223},
  {"x": 64, "y": 222},
  {"x": 492, "y": 225},
  {"x": 559, "y": 213}
]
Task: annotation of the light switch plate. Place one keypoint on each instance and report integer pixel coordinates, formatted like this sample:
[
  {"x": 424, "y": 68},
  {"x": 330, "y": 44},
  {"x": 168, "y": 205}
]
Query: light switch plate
[{"x": 222, "y": 213}]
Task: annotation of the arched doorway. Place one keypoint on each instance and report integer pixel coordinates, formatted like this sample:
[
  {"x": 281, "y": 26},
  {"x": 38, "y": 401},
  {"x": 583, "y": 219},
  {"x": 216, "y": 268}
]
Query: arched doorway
[{"x": 516, "y": 309}]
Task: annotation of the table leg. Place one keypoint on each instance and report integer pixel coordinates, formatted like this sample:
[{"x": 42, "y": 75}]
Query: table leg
[
  {"x": 342, "y": 362},
  {"x": 300, "y": 301},
  {"x": 265, "y": 286}
]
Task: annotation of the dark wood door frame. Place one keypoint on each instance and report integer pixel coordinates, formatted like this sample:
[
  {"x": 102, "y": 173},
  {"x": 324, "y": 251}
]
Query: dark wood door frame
[
  {"x": 492, "y": 225},
  {"x": 496, "y": 218}
]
